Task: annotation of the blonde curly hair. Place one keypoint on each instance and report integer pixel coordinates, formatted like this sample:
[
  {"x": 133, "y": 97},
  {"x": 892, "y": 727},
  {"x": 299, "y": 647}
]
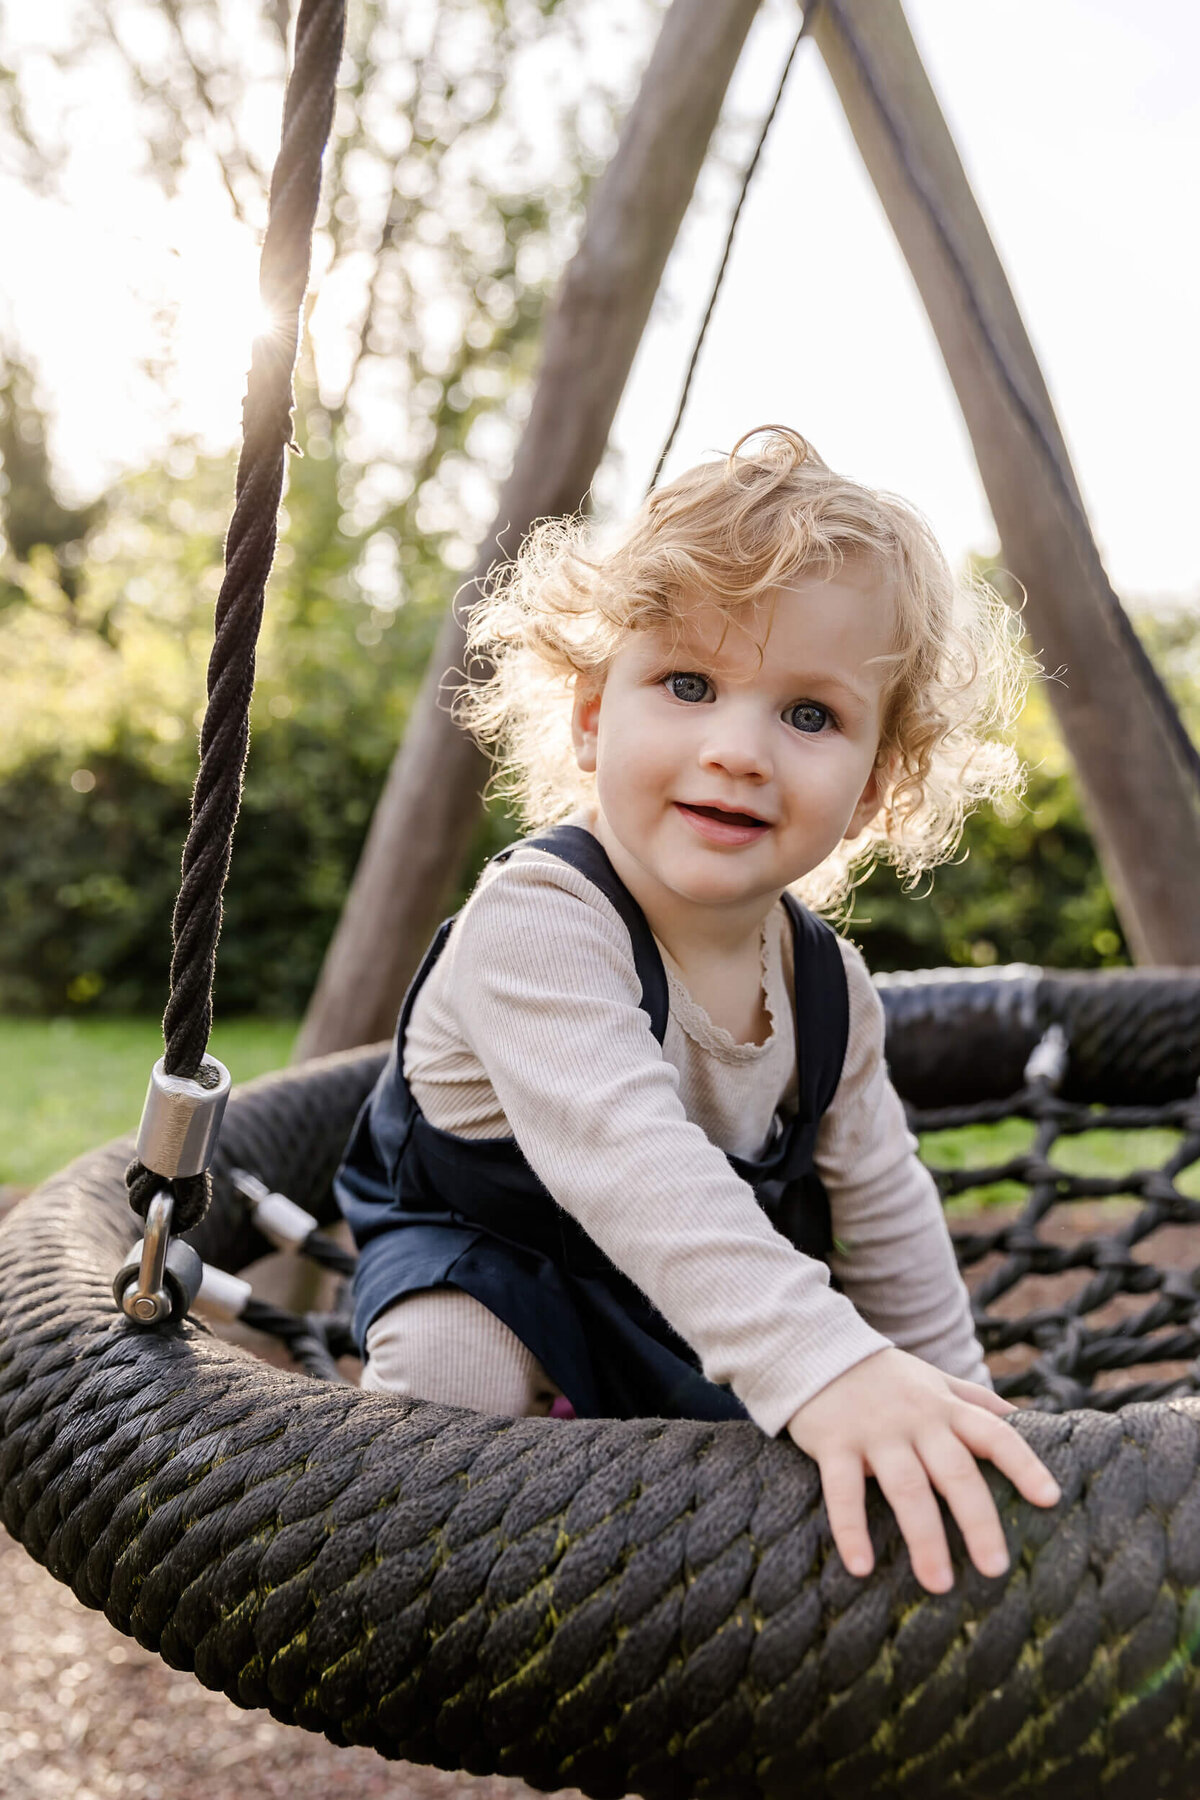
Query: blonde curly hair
[{"x": 728, "y": 532}]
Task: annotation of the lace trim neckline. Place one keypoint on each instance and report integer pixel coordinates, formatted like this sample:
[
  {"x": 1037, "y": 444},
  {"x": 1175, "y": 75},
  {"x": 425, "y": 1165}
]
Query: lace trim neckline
[{"x": 704, "y": 1031}]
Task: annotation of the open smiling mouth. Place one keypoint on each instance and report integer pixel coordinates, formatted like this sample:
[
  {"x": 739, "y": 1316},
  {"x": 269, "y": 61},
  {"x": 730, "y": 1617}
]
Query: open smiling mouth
[{"x": 721, "y": 826}]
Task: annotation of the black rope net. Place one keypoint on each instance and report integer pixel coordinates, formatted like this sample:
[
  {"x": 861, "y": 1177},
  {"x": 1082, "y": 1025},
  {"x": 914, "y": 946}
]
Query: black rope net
[{"x": 1067, "y": 1295}]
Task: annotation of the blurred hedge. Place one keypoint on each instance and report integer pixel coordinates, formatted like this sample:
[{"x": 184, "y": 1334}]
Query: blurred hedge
[
  {"x": 87, "y": 880},
  {"x": 1025, "y": 885},
  {"x": 100, "y": 693}
]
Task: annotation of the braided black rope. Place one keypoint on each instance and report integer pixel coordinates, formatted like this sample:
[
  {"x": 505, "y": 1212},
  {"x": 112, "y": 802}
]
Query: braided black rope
[
  {"x": 314, "y": 1340},
  {"x": 1028, "y": 409},
  {"x": 249, "y": 552},
  {"x": 327, "y": 1254},
  {"x": 1125, "y": 1312},
  {"x": 632, "y": 1606},
  {"x": 719, "y": 279}
]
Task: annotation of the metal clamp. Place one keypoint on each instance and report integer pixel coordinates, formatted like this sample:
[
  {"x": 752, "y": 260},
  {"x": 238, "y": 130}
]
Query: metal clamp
[
  {"x": 1047, "y": 1061},
  {"x": 177, "y": 1137},
  {"x": 160, "y": 1277},
  {"x": 181, "y": 1119},
  {"x": 280, "y": 1220}
]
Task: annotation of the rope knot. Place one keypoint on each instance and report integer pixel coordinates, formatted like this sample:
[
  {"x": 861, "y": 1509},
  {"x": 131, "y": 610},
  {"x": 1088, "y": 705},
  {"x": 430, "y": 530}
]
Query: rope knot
[{"x": 193, "y": 1194}]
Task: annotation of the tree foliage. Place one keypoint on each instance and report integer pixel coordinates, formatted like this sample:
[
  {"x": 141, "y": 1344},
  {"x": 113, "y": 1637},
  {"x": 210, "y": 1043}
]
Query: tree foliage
[
  {"x": 37, "y": 524},
  {"x": 465, "y": 136},
  {"x": 93, "y": 797}
]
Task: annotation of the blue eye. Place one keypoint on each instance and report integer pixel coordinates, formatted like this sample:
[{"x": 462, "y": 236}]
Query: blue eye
[
  {"x": 808, "y": 716},
  {"x": 685, "y": 686}
]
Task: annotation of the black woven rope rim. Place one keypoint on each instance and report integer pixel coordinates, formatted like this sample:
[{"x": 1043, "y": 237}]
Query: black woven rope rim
[{"x": 630, "y": 1606}]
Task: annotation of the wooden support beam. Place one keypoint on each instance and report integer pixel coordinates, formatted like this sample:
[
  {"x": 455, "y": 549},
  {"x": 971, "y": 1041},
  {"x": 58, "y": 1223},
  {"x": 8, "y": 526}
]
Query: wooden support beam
[
  {"x": 430, "y": 804},
  {"x": 1136, "y": 776}
]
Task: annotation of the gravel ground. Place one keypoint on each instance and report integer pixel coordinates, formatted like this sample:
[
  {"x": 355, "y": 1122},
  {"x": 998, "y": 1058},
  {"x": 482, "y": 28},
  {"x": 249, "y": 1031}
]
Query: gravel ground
[{"x": 87, "y": 1714}]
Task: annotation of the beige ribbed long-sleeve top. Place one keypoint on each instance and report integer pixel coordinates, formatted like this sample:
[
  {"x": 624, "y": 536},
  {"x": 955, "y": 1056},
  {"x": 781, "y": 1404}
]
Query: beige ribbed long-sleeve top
[{"x": 530, "y": 1025}]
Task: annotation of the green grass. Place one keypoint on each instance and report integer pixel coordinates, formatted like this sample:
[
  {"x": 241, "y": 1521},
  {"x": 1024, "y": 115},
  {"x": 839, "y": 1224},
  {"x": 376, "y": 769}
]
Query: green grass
[
  {"x": 975, "y": 1147},
  {"x": 1107, "y": 1153},
  {"x": 67, "y": 1084}
]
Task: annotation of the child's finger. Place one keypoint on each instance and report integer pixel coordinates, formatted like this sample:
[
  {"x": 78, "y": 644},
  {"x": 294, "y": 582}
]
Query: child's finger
[
  {"x": 843, "y": 1483},
  {"x": 905, "y": 1485},
  {"x": 1011, "y": 1455},
  {"x": 956, "y": 1475},
  {"x": 982, "y": 1397}
]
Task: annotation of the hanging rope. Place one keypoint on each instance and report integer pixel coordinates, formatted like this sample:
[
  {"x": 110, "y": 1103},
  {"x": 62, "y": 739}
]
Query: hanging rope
[
  {"x": 249, "y": 552},
  {"x": 747, "y": 177}
]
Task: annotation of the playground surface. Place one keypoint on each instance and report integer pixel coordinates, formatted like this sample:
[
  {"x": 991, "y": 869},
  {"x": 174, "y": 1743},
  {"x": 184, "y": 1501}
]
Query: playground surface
[{"x": 87, "y": 1714}]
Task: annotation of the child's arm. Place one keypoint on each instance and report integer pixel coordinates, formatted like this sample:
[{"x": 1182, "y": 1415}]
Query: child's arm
[
  {"x": 917, "y": 1428},
  {"x": 547, "y": 997},
  {"x": 893, "y": 1255}
]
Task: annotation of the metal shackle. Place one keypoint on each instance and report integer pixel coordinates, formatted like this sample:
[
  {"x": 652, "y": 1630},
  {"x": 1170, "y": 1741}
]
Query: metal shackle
[
  {"x": 181, "y": 1119},
  {"x": 161, "y": 1276}
]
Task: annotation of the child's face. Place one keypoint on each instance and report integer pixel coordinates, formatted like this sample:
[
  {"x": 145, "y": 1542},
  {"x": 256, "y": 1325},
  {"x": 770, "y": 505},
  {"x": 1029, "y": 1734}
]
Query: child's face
[{"x": 722, "y": 776}]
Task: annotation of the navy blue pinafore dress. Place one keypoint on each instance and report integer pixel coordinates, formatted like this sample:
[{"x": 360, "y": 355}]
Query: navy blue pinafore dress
[{"x": 429, "y": 1209}]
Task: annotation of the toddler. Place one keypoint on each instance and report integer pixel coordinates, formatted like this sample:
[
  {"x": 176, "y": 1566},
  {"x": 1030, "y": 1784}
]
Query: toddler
[{"x": 635, "y": 1151}]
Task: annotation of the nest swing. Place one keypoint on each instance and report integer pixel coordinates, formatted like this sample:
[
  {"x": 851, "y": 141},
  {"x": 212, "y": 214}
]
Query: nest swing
[{"x": 639, "y": 1606}]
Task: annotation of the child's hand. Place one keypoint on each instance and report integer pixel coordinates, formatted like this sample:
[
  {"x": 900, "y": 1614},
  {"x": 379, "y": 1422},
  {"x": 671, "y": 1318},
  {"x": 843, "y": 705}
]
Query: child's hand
[{"x": 914, "y": 1429}]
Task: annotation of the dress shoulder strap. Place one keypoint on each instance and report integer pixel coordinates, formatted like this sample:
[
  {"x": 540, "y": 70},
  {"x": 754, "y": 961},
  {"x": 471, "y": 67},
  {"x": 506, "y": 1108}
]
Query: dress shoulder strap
[
  {"x": 822, "y": 1002},
  {"x": 574, "y": 845}
]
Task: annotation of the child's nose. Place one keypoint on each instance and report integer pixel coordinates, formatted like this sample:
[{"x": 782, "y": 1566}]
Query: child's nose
[{"x": 739, "y": 743}]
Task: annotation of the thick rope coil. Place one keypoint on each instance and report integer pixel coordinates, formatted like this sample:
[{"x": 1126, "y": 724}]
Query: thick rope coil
[
  {"x": 623, "y": 1606},
  {"x": 1134, "y": 1033}
]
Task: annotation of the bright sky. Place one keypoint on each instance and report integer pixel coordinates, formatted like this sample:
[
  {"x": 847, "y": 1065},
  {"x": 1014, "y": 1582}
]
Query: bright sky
[{"x": 1079, "y": 124}]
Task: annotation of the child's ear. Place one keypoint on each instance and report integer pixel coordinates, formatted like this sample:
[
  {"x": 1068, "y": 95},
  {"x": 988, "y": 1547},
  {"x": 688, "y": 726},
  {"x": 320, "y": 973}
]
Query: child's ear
[
  {"x": 585, "y": 724},
  {"x": 869, "y": 801}
]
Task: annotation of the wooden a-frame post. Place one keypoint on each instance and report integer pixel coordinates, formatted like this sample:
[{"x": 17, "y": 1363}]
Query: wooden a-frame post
[
  {"x": 1139, "y": 791},
  {"x": 1138, "y": 783},
  {"x": 430, "y": 804}
]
